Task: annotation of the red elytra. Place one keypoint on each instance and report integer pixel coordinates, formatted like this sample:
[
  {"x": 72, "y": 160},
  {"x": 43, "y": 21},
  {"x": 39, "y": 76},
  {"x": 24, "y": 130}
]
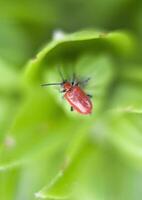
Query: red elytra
[{"x": 75, "y": 96}]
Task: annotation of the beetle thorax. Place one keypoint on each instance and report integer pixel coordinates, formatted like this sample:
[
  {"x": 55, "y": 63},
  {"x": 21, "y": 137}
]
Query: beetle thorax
[{"x": 67, "y": 86}]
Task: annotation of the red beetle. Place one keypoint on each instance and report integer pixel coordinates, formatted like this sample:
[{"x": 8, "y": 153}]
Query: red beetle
[{"x": 75, "y": 95}]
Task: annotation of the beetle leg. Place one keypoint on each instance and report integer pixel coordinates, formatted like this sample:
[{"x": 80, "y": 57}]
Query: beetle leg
[
  {"x": 84, "y": 82},
  {"x": 73, "y": 78},
  {"x": 75, "y": 83},
  {"x": 71, "y": 108},
  {"x": 62, "y": 91},
  {"x": 72, "y": 83},
  {"x": 89, "y": 95}
]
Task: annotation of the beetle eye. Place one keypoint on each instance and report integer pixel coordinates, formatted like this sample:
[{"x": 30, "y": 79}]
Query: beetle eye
[{"x": 64, "y": 81}]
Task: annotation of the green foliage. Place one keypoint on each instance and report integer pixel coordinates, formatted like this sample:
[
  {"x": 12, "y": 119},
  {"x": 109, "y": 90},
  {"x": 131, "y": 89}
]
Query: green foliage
[{"x": 46, "y": 151}]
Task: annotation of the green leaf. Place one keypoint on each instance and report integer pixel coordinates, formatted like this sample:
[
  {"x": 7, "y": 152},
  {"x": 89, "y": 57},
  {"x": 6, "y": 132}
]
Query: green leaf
[
  {"x": 127, "y": 98},
  {"x": 60, "y": 187},
  {"x": 124, "y": 131},
  {"x": 28, "y": 133},
  {"x": 9, "y": 81},
  {"x": 71, "y": 45}
]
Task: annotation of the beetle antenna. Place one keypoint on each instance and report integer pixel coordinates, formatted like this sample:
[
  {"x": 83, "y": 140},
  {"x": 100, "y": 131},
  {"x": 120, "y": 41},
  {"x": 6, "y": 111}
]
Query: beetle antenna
[
  {"x": 49, "y": 84},
  {"x": 61, "y": 74}
]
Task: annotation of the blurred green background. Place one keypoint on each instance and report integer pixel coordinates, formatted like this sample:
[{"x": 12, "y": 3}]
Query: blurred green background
[{"x": 46, "y": 151}]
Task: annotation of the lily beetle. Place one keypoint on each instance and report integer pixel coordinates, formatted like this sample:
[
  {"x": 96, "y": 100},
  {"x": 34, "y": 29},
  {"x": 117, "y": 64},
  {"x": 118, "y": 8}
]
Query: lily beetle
[{"x": 75, "y": 95}]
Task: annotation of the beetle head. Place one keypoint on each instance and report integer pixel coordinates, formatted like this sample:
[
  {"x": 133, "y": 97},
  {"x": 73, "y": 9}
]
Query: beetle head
[{"x": 67, "y": 85}]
